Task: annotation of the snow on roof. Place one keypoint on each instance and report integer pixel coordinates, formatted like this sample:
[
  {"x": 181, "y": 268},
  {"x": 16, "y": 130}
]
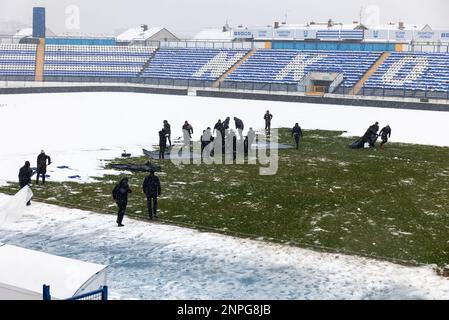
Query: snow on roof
[
  {"x": 138, "y": 34},
  {"x": 28, "y": 32},
  {"x": 395, "y": 26},
  {"x": 26, "y": 271},
  {"x": 320, "y": 26},
  {"x": 214, "y": 34},
  {"x": 25, "y": 32}
]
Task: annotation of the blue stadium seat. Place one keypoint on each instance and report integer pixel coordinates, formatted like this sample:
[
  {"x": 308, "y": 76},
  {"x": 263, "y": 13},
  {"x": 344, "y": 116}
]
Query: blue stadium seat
[
  {"x": 95, "y": 61},
  {"x": 192, "y": 64},
  {"x": 287, "y": 66},
  {"x": 17, "y": 59},
  {"x": 412, "y": 71}
]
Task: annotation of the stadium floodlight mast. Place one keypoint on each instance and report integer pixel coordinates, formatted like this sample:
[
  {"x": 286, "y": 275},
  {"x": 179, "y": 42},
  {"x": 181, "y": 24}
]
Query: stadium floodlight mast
[{"x": 265, "y": 153}]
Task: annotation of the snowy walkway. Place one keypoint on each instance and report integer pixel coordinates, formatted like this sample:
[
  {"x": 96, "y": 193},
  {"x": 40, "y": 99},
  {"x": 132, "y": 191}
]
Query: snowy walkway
[{"x": 153, "y": 261}]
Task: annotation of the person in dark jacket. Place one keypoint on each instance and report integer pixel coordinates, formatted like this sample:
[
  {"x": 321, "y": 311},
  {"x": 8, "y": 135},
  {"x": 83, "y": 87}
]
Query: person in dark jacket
[
  {"x": 187, "y": 131},
  {"x": 152, "y": 189},
  {"x": 226, "y": 125},
  {"x": 267, "y": 117},
  {"x": 250, "y": 139},
  {"x": 239, "y": 126},
  {"x": 385, "y": 133},
  {"x": 219, "y": 129},
  {"x": 206, "y": 138},
  {"x": 371, "y": 135},
  {"x": 162, "y": 144},
  {"x": 25, "y": 174},
  {"x": 297, "y": 133},
  {"x": 167, "y": 129},
  {"x": 120, "y": 196},
  {"x": 42, "y": 159}
]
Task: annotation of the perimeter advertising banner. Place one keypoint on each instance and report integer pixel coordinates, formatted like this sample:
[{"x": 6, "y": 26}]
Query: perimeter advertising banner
[{"x": 403, "y": 36}]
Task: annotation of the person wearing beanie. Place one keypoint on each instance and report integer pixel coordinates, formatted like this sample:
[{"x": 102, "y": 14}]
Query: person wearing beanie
[
  {"x": 25, "y": 174},
  {"x": 42, "y": 159}
]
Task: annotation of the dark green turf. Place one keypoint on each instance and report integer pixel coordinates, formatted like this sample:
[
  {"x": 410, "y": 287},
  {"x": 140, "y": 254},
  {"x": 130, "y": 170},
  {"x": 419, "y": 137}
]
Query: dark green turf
[{"x": 390, "y": 203}]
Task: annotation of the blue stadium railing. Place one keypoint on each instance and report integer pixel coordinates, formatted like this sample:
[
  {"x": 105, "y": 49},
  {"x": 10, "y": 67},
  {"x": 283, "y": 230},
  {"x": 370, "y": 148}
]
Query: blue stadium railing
[{"x": 100, "y": 294}]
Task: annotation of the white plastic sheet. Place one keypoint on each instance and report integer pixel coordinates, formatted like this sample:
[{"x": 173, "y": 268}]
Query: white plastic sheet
[{"x": 14, "y": 208}]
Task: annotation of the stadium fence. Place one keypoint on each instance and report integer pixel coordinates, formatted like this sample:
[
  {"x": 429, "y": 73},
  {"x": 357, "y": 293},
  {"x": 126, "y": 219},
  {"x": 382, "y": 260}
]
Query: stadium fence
[{"x": 100, "y": 294}]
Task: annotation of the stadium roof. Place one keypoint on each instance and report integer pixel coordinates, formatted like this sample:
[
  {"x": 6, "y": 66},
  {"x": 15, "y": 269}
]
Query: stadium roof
[
  {"x": 214, "y": 34},
  {"x": 28, "y": 32},
  {"x": 23, "y": 273},
  {"x": 320, "y": 26},
  {"x": 139, "y": 34},
  {"x": 395, "y": 26}
]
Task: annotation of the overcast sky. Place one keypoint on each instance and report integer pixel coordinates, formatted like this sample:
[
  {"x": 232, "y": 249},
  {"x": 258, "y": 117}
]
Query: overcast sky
[{"x": 186, "y": 17}]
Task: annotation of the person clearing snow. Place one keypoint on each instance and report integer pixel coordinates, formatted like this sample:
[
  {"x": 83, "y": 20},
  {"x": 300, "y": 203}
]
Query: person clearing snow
[
  {"x": 370, "y": 137},
  {"x": 25, "y": 174},
  {"x": 385, "y": 133},
  {"x": 42, "y": 159}
]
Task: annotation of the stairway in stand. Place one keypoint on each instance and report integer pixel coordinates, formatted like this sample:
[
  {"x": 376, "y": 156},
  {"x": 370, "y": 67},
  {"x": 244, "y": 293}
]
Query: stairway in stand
[
  {"x": 359, "y": 85},
  {"x": 40, "y": 57},
  {"x": 147, "y": 63},
  {"x": 231, "y": 70}
]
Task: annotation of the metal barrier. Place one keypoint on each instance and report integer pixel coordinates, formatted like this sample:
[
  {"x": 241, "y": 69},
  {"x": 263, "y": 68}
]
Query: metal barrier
[
  {"x": 100, "y": 294},
  {"x": 428, "y": 93}
]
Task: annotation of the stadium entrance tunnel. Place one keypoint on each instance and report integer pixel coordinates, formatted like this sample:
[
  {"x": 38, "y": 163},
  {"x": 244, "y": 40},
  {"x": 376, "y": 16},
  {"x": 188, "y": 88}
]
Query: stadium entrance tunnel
[{"x": 320, "y": 82}]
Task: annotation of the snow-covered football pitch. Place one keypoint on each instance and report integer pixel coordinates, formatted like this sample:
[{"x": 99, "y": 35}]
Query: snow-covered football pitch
[{"x": 153, "y": 261}]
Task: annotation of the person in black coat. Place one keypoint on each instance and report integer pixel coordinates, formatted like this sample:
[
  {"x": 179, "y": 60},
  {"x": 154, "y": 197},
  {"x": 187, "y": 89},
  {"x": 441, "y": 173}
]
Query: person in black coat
[
  {"x": 187, "y": 131},
  {"x": 42, "y": 159},
  {"x": 226, "y": 125},
  {"x": 206, "y": 138},
  {"x": 249, "y": 140},
  {"x": 152, "y": 189},
  {"x": 385, "y": 133},
  {"x": 167, "y": 129},
  {"x": 371, "y": 135},
  {"x": 239, "y": 126},
  {"x": 162, "y": 144},
  {"x": 120, "y": 196},
  {"x": 219, "y": 128},
  {"x": 25, "y": 174},
  {"x": 267, "y": 117},
  {"x": 188, "y": 127},
  {"x": 297, "y": 133}
]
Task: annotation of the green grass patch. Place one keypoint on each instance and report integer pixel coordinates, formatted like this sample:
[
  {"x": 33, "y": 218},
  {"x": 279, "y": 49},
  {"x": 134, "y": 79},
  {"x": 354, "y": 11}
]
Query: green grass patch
[{"x": 390, "y": 203}]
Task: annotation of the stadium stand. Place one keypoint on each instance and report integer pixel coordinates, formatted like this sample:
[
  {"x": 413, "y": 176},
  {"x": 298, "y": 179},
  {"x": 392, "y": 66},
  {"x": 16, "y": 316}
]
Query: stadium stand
[
  {"x": 192, "y": 64},
  {"x": 95, "y": 61},
  {"x": 290, "y": 66},
  {"x": 17, "y": 59},
  {"x": 401, "y": 74},
  {"x": 411, "y": 73}
]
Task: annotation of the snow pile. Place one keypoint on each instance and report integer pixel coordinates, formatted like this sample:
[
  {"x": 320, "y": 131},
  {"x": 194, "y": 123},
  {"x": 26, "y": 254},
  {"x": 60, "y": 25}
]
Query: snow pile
[
  {"x": 79, "y": 130},
  {"x": 154, "y": 261},
  {"x": 12, "y": 210}
]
